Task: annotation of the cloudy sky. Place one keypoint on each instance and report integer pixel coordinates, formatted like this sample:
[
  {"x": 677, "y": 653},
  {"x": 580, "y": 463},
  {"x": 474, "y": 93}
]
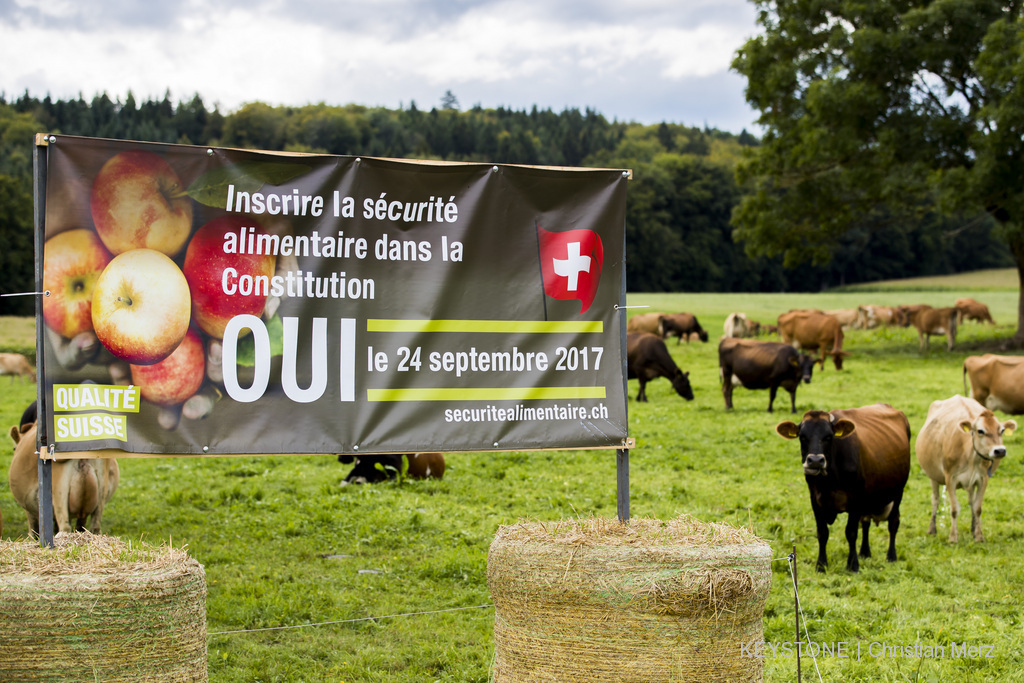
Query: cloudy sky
[{"x": 641, "y": 60}]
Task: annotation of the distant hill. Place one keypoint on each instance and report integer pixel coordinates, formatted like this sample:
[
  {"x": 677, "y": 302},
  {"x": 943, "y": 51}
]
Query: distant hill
[{"x": 993, "y": 279}]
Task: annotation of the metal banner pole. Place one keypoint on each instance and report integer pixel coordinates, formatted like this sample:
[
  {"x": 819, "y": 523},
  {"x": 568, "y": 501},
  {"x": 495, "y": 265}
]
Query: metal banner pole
[
  {"x": 45, "y": 466},
  {"x": 622, "y": 483}
]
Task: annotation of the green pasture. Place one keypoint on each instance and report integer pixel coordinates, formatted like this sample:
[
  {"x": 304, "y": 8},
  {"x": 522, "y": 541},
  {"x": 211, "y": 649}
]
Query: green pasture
[{"x": 386, "y": 582}]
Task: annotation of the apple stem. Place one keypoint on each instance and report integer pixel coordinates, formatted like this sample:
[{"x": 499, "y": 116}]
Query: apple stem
[{"x": 125, "y": 299}]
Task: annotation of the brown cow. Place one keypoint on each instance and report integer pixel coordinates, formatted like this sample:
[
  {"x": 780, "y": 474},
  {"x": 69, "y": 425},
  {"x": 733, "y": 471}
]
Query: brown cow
[
  {"x": 814, "y": 330},
  {"x": 855, "y": 461},
  {"x": 762, "y": 365},
  {"x": 997, "y": 382},
  {"x": 81, "y": 487},
  {"x": 646, "y": 322},
  {"x": 929, "y": 321},
  {"x": 888, "y": 316},
  {"x": 648, "y": 358},
  {"x": 681, "y": 325},
  {"x": 425, "y": 465},
  {"x": 16, "y": 365},
  {"x": 960, "y": 446},
  {"x": 969, "y": 309}
]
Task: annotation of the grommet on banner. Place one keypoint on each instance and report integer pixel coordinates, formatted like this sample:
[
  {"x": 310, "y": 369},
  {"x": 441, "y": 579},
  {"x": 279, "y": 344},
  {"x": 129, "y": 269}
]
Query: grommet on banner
[
  {"x": 209, "y": 151},
  {"x": 355, "y": 448},
  {"x": 206, "y": 449},
  {"x": 494, "y": 169},
  {"x": 359, "y": 160},
  {"x": 622, "y": 308},
  {"x": 53, "y": 139}
]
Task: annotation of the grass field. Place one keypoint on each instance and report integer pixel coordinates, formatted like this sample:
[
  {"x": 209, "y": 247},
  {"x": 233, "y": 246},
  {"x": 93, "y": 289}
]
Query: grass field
[{"x": 285, "y": 545}]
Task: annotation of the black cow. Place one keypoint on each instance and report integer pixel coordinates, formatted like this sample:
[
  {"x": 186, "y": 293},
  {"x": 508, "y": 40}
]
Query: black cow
[
  {"x": 681, "y": 325},
  {"x": 762, "y": 365},
  {"x": 647, "y": 358},
  {"x": 855, "y": 461},
  {"x": 366, "y": 470}
]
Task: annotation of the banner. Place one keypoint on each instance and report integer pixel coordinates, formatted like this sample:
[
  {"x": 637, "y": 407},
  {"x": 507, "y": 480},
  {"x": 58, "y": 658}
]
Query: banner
[{"x": 217, "y": 301}]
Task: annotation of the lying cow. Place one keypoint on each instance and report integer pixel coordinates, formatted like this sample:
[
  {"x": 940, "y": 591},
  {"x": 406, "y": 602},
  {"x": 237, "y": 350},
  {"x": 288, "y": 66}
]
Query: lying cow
[
  {"x": 762, "y": 365},
  {"x": 854, "y": 318},
  {"x": 373, "y": 468},
  {"x": 425, "y": 466},
  {"x": 646, "y": 322},
  {"x": 16, "y": 365},
  {"x": 887, "y": 316},
  {"x": 929, "y": 321},
  {"x": 855, "y": 461},
  {"x": 969, "y": 309},
  {"x": 682, "y": 325},
  {"x": 997, "y": 382},
  {"x": 814, "y": 330},
  {"x": 960, "y": 446},
  {"x": 648, "y": 358},
  {"x": 81, "y": 487}
]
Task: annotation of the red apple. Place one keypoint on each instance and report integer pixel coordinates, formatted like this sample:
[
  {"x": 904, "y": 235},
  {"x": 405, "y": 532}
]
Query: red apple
[
  {"x": 72, "y": 262},
  {"x": 219, "y": 294},
  {"x": 141, "y": 306},
  {"x": 138, "y": 202},
  {"x": 175, "y": 378}
]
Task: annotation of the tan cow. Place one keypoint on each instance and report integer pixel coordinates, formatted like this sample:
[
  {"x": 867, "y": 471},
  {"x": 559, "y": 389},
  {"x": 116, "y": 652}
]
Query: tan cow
[
  {"x": 886, "y": 316},
  {"x": 646, "y": 322},
  {"x": 814, "y": 330},
  {"x": 15, "y": 364},
  {"x": 81, "y": 487},
  {"x": 737, "y": 326},
  {"x": 997, "y": 382},
  {"x": 969, "y": 309},
  {"x": 929, "y": 321},
  {"x": 849, "y": 318},
  {"x": 960, "y": 446}
]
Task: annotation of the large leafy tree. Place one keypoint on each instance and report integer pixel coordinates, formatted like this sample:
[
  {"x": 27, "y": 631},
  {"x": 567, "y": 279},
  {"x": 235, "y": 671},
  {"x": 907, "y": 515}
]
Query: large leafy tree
[{"x": 882, "y": 113}]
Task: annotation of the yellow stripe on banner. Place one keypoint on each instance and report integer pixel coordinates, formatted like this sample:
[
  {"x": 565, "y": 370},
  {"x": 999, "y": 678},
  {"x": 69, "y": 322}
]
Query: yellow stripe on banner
[
  {"x": 492, "y": 394},
  {"x": 491, "y": 326}
]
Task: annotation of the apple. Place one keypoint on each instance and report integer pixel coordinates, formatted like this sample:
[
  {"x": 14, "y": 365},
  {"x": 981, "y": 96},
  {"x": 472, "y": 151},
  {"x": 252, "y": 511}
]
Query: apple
[
  {"x": 217, "y": 295},
  {"x": 175, "y": 378},
  {"x": 141, "y": 306},
  {"x": 72, "y": 261},
  {"x": 138, "y": 201}
]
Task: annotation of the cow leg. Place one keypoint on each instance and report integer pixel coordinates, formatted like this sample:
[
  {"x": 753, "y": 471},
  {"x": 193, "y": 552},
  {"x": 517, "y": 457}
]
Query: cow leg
[
  {"x": 936, "y": 499},
  {"x": 974, "y": 496},
  {"x": 772, "y": 390},
  {"x": 865, "y": 546},
  {"x": 922, "y": 341},
  {"x": 642, "y": 394},
  {"x": 727, "y": 388},
  {"x": 894, "y": 526},
  {"x": 822, "y": 562},
  {"x": 852, "y": 521},
  {"x": 954, "y": 508}
]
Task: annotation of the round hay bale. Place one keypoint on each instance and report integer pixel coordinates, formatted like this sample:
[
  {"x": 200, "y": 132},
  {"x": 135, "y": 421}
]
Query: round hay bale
[
  {"x": 95, "y": 608},
  {"x": 645, "y": 600}
]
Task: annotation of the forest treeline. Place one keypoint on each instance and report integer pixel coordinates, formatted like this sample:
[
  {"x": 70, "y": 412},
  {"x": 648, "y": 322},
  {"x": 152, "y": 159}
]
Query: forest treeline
[{"x": 679, "y": 203}]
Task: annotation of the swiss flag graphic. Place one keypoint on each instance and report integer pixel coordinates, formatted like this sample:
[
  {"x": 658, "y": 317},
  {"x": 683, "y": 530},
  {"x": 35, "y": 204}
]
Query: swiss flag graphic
[{"x": 570, "y": 263}]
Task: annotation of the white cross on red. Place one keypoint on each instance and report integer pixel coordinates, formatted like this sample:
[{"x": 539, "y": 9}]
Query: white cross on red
[{"x": 572, "y": 266}]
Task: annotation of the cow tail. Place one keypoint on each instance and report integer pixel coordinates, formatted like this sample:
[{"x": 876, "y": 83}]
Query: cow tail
[
  {"x": 965, "y": 379},
  {"x": 952, "y": 324}
]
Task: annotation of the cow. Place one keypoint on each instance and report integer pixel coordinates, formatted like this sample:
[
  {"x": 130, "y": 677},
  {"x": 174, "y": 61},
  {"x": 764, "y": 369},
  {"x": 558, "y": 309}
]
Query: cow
[
  {"x": 762, "y": 365},
  {"x": 738, "y": 325},
  {"x": 888, "y": 316},
  {"x": 16, "y": 365},
  {"x": 969, "y": 309},
  {"x": 425, "y": 465},
  {"x": 855, "y": 461},
  {"x": 997, "y": 382},
  {"x": 960, "y": 446},
  {"x": 81, "y": 487},
  {"x": 849, "y": 318},
  {"x": 929, "y": 321},
  {"x": 814, "y": 330},
  {"x": 646, "y": 322},
  {"x": 648, "y": 358},
  {"x": 682, "y": 325},
  {"x": 365, "y": 468}
]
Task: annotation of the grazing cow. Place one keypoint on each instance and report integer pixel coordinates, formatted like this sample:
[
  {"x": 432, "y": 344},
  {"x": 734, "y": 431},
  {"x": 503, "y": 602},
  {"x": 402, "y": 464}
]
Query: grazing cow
[
  {"x": 960, "y": 446},
  {"x": 762, "y": 365},
  {"x": 366, "y": 470},
  {"x": 646, "y": 322},
  {"x": 738, "y": 325},
  {"x": 425, "y": 466},
  {"x": 969, "y": 309},
  {"x": 997, "y": 382},
  {"x": 929, "y": 321},
  {"x": 647, "y": 358},
  {"x": 16, "y": 365},
  {"x": 814, "y": 330},
  {"x": 81, "y": 487},
  {"x": 855, "y": 461},
  {"x": 682, "y": 325}
]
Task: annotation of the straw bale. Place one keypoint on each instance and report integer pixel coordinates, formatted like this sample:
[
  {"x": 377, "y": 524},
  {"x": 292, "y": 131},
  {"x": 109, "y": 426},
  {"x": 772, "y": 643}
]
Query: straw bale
[
  {"x": 97, "y": 608},
  {"x": 646, "y": 600}
]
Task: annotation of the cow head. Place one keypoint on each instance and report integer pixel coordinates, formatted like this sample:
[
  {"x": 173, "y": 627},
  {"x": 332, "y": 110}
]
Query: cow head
[
  {"x": 805, "y": 365},
  {"x": 681, "y": 383},
  {"x": 987, "y": 435},
  {"x": 702, "y": 334},
  {"x": 816, "y": 431}
]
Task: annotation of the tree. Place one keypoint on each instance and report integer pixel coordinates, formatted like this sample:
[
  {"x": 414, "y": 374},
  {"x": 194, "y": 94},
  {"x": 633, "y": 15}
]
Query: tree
[{"x": 877, "y": 113}]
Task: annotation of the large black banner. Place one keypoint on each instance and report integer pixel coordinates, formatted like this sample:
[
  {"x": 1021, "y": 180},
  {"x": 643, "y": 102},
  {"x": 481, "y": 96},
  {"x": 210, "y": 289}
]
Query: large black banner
[{"x": 215, "y": 301}]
